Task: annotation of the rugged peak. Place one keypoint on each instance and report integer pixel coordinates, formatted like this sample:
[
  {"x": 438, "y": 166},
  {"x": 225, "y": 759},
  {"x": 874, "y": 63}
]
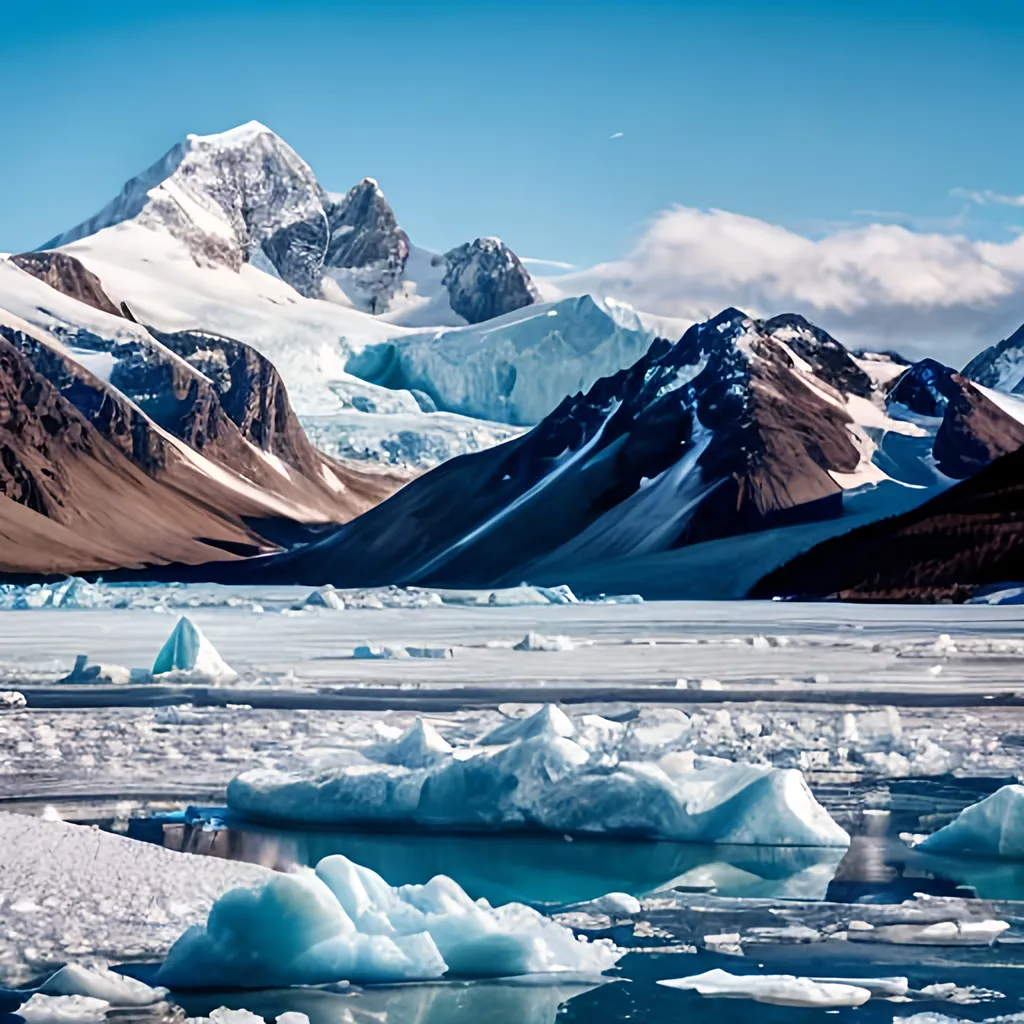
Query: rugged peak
[
  {"x": 1000, "y": 365},
  {"x": 926, "y": 388},
  {"x": 486, "y": 279}
]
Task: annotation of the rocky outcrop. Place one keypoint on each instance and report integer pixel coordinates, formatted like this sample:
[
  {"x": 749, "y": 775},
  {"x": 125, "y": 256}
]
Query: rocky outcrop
[
  {"x": 926, "y": 388},
  {"x": 67, "y": 275},
  {"x": 827, "y": 359},
  {"x": 970, "y": 536},
  {"x": 485, "y": 279},
  {"x": 974, "y": 432}
]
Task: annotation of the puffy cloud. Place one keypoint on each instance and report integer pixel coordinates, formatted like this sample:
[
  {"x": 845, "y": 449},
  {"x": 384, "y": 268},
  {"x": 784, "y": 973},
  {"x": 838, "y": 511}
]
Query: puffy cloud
[{"x": 877, "y": 286}]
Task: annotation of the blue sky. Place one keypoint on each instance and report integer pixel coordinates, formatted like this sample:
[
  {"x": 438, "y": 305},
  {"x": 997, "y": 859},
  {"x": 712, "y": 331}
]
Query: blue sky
[{"x": 496, "y": 118}]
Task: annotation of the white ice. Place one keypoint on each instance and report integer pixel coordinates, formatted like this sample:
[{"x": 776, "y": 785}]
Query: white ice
[
  {"x": 43, "y": 1009},
  {"x": 344, "y": 922},
  {"x": 101, "y": 983},
  {"x": 537, "y": 773},
  {"x": 777, "y": 989}
]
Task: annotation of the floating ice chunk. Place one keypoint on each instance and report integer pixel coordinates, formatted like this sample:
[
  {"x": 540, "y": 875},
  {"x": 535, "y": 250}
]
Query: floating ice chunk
[
  {"x": 776, "y": 989},
  {"x": 43, "y": 1009},
  {"x": 430, "y": 652},
  {"x": 939, "y": 933},
  {"x": 187, "y": 654},
  {"x": 101, "y": 983},
  {"x": 537, "y": 642},
  {"x": 373, "y": 652},
  {"x": 615, "y": 904},
  {"x": 562, "y": 594},
  {"x": 993, "y": 827},
  {"x": 550, "y": 720},
  {"x": 10, "y": 699},
  {"x": 223, "y": 1015},
  {"x": 344, "y": 922},
  {"x": 83, "y": 673},
  {"x": 548, "y": 781},
  {"x": 79, "y": 593},
  {"x": 422, "y": 745},
  {"x": 325, "y": 597},
  {"x": 704, "y": 684}
]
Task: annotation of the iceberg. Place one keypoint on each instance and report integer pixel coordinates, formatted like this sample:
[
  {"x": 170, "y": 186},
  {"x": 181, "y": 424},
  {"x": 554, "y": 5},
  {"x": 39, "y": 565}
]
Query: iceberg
[
  {"x": 993, "y": 827},
  {"x": 188, "y": 655},
  {"x": 535, "y": 773},
  {"x": 343, "y": 922},
  {"x": 10, "y": 699}
]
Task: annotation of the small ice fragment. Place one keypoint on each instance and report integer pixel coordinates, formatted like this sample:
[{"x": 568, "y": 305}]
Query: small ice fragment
[
  {"x": 548, "y": 721},
  {"x": 935, "y": 670},
  {"x": 10, "y": 699},
  {"x": 615, "y": 904},
  {"x": 704, "y": 684},
  {"x": 420, "y": 746},
  {"x": 536, "y": 642},
  {"x": 372, "y": 652},
  {"x": 188, "y": 654},
  {"x": 325, "y": 597},
  {"x": 84, "y": 673},
  {"x": 430, "y": 652}
]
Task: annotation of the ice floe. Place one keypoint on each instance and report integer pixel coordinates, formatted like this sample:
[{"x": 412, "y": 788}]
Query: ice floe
[
  {"x": 70, "y": 893},
  {"x": 940, "y": 933},
  {"x": 776, "y": 989},
  {"x": 44, "y": 1009},
  {"x": 188, "y": 655},
  {"x": 10, "y": 699},
  {"x": 993, "y": 827},
  {"x": 101, "y": 983},
  {"x": 344, "y": 922},
  {"x": 536, "y": 773},
  {"x": 539, "y": 642}
]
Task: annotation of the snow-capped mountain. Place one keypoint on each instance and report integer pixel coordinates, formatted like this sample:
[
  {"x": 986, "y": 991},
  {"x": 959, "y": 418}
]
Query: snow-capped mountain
[
  {"x": 1001, "y": 365},
  {"x": 246, "y": 197},
  {"x": 151, "y": 447},
  {"x": 742, "y": 427}
]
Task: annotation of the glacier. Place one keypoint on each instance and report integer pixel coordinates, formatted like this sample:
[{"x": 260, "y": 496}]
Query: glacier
[
  {"x": 343, "y": 922},
  {"x": 543, "y": 773}
]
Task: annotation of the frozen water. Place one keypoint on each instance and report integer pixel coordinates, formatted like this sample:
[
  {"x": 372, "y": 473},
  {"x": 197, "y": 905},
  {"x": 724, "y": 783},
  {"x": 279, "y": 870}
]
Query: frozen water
[
  {"x": 188, "y": 655},
  {"x": 530, "y": 773},
  {"x": 72, "y": 893},
  {"x": 84, "y": 673},
  {"x": 777, "y": 989},
  {"x": 538, "y": 642},
  {"x": 101, "y": 983},
  {"x": 75, "y": 1009},
  {"x": 993, "y": 827},
  {"x": 11, "y": 699},
  {"x": 344, "y": 922}
]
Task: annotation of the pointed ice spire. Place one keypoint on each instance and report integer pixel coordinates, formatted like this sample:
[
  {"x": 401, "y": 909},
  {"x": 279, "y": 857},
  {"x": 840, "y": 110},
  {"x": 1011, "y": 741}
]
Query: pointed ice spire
[
  {"x": 187, "y": 652},
  {"x": 419, "y": 746},
  {"x": 549, "y": 721}
]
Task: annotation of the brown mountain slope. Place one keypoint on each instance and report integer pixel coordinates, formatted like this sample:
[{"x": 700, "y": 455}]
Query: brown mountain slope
[{"x": 971, "y": 535}]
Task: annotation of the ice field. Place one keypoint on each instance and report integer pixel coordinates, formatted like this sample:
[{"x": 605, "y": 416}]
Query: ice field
[{"x": 758, "y": 804}]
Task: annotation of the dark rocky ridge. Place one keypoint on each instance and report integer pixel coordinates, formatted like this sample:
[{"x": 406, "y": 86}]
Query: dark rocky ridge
[
  {"x": 67, "y": 275},
  {"x": 970, "y": 536},
  {"x": 926, "y": 388}
]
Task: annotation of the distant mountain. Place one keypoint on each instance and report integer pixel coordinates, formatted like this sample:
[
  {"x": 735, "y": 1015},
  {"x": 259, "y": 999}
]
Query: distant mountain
[
  {"x": 1001, "y": 365},
  {"x": 742, "y": 426},
  {"x": 246, "y": 197}
]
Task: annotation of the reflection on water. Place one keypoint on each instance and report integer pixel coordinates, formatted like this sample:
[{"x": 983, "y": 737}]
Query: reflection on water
[
  {"x": 519, "y": 1001},
  {"x": 538, "y": 869}
]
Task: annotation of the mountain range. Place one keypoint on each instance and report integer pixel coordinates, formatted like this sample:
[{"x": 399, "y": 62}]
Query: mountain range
[{"x": 235, "y": 374}]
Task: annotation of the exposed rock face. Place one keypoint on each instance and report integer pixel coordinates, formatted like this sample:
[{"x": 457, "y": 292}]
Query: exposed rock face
[
  {"x": 485, "y": 279},
  {"x": 827, "y": 358},
  {"x": 67, "y": 275},
  {"x": 971, "y": 535},
  {"x": 1001, "y": 365},
  {"x": 926, "y": 388},
  {"x": 974, "y": 432},
  {"x": 365, "y": 238},
  {"x": 70, "y": 500},
  {"x": 714, "y": 435}
]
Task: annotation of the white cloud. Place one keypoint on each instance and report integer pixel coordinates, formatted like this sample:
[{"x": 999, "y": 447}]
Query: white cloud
[
  {"x": 987, "y": 197},
  {"x": 879, "y": 285},
  {"x": 616, "y": 135},
  {"x": 535, "y": 261}
]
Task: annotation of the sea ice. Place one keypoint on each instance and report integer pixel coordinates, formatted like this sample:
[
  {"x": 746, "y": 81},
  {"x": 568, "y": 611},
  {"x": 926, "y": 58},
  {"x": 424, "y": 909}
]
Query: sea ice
[
  {"x": 615, "y": 904},
  {"x": 70, "y": 893},
  {"x": 43, "y": 1009},
  {"x": 344, "y": 922},
  {"x": 532, "y": 773},
  {"x": 777, "y": 989},
  {"x": 101, "y": 983},
  {"x": 993, "y": 827},
  {"x": 188, "y": 655},
  {"x": 12, "y": 699},
  {"x": 939, "y": 933},
  {"x": 84, "y": 673}
]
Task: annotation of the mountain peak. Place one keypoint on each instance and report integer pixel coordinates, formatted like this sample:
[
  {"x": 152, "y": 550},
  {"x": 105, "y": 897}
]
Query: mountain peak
[{"x": 240, "y": 134}]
